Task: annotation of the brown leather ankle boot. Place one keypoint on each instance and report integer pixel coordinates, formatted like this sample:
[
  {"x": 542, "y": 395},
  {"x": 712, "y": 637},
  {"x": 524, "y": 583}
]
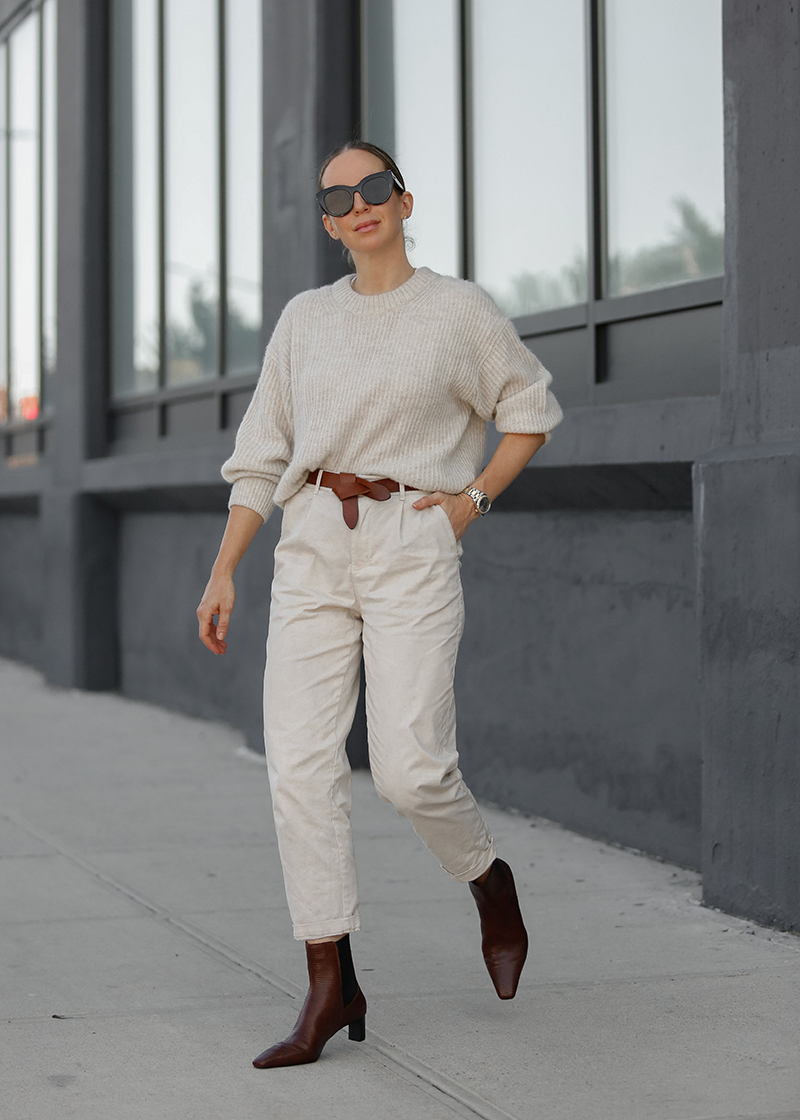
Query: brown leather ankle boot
[
  {"x": 323, "y": 1013},
  {"x": 505, "y": 942}
]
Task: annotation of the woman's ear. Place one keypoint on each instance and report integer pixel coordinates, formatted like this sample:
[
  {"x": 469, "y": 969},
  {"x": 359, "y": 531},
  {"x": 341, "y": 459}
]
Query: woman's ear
[
  {"x": 407, "y": 203},
  {"x": 330, "y": 227}
]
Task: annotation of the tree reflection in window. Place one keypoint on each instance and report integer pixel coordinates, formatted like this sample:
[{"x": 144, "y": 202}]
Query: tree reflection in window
[{"x": 694, "y": 252}]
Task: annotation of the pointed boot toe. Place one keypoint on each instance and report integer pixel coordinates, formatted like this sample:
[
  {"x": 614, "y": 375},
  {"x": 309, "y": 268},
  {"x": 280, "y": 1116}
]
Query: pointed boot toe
[
  {"x": 504, "y": 938},
  {"x": 283, "y": 1054}
]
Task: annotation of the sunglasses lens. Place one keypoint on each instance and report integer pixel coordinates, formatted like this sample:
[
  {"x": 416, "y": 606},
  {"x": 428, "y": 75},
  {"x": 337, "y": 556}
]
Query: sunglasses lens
[
  {"x": 376, "y": 189},
  {"x": 338, "y": 202}
]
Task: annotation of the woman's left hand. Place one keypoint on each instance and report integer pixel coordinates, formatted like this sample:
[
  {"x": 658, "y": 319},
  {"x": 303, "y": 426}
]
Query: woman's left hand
[{"x": 460, "y": 508}]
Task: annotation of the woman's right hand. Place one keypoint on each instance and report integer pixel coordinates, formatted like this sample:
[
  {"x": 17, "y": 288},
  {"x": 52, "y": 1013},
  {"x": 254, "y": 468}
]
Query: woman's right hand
[
  {"x": 219, "y": 595},
  {"x": 218, "y": 599}
]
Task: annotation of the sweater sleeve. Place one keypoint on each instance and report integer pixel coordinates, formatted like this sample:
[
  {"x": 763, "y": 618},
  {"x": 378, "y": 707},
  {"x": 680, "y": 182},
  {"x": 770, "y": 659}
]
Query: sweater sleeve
[
  {"x": 513, "y": 388},
  {"x": 264, "y": 440}
]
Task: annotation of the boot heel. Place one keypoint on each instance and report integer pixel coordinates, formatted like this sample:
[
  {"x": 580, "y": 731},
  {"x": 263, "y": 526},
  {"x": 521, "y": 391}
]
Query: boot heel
[{"x": 357, "y": 1031}]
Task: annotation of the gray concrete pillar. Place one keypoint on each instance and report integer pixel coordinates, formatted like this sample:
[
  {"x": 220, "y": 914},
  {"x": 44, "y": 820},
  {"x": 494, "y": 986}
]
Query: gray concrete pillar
[
  {"x": 78, "y": 534},
  {"x": 747, "y": 490}
]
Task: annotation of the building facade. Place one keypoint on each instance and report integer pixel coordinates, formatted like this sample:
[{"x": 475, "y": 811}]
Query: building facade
[{"x": 622, "y": 177}]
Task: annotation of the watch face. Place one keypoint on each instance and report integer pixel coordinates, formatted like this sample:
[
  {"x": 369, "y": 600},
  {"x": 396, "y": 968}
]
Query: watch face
[{"x": 484, "y": 505}]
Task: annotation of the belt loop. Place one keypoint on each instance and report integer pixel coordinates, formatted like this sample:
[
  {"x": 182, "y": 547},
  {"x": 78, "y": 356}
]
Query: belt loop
[
  {"x": 318, "y": 482},
  {"x": 402, "y": 492}
]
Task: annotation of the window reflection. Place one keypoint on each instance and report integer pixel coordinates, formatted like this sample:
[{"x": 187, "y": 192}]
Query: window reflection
[
  {"x": 168, "y": 226},
  {"x": 49, "y": 166},
  {"x": 529, "y": 149},
  {"x": 3, "y": 241},
  {"x": 136, "y": 345},
  {"x": 243, "y": 133},
  {"x": 23, "y": 63},
  {"x": 191, "y": 188},
  {"x": 426, "y": 126},
  {"x": 664, "y": 137}
]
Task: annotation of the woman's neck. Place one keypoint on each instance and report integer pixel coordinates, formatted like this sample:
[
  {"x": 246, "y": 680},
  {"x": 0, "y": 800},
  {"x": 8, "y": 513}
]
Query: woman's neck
[{"x": 376, "y": 276}]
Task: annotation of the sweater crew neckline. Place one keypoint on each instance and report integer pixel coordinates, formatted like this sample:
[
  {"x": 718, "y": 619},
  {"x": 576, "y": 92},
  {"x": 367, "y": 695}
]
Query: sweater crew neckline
[{"x": 348, "y": 299}]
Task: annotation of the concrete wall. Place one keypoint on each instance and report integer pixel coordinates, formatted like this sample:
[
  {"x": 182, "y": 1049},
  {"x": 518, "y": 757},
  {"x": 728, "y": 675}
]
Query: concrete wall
[
  {"x": 165, "y": 560},
  {"x": 578, "y": 685},
  {"x": 21, "y": 587}
]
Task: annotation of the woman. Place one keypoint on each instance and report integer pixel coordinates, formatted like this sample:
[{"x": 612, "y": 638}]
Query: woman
[{"x": 367, "y": 426}]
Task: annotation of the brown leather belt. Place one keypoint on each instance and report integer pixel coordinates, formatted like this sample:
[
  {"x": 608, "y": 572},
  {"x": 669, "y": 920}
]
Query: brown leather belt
[{"x": 349, "y": 487}]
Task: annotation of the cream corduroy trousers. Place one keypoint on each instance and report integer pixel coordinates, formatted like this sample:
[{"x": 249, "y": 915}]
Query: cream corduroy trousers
[{"x": 390, "y": 587}]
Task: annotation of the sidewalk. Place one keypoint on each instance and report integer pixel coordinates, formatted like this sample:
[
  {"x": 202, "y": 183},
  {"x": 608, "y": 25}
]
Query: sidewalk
[{"x": 146, "y": 953}]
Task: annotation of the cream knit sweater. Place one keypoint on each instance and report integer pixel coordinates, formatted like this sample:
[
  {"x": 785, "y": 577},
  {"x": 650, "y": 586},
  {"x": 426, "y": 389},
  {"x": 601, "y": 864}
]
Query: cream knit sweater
[{"x": 398, "y": 385}]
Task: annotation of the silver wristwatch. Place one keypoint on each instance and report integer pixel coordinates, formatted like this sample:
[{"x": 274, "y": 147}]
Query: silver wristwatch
[{"x": 481, "y": 500}]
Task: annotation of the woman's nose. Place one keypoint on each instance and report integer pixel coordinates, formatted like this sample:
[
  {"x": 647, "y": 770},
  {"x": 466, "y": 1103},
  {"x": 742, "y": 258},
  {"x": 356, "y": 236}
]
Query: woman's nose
[{"x": 358, "y": 201}]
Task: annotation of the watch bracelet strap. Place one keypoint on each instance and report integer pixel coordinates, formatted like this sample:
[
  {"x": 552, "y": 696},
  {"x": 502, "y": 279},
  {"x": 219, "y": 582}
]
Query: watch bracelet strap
[{"x": 476, "y": 494}]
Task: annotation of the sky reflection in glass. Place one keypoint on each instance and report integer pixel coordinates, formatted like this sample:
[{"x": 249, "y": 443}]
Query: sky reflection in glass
[
  {"x": 23, "y": 58},
  {"x": 192, "y": 188},
  {"x": 529, "y": 152},
  {"x": 243, "y": 140},
  {"x": 426, "y": 127},
  {"x": 664, "y": 142}
]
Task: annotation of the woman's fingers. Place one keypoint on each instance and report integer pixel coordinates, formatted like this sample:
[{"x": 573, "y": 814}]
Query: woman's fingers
[
  {"x": 459, "y": 508},
  {"x": 208, "y": 636},
  {"x": 223, "y": 622},
  {"x": 217, "y": 604}
]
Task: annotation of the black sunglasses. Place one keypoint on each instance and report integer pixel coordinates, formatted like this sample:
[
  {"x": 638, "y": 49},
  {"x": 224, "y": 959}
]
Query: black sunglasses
[{"x": 374, "y": 189}]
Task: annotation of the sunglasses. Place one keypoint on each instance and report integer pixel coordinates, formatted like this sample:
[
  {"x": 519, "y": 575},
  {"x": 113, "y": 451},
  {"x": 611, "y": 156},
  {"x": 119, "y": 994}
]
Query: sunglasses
[{"x": 374, "y": 189}]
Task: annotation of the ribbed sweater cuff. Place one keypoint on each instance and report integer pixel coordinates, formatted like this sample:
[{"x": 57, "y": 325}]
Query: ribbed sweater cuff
[{"x": 255, "y": 493}]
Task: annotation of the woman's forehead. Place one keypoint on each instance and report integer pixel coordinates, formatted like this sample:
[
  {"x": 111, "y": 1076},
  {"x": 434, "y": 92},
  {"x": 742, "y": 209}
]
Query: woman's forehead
[{"x": 349, "y": 168}]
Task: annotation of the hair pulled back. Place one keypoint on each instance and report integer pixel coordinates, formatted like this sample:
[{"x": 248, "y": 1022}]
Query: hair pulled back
[{"x": 364, "y": 146}]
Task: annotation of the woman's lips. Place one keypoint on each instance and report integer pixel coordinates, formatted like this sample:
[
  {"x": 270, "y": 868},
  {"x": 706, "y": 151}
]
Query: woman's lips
[{"x": 365, "y": 227}]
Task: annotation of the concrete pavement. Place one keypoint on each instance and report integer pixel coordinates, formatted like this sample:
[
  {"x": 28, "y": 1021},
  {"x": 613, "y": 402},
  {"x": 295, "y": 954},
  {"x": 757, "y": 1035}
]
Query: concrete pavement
[{"x": 146, "y": 953}]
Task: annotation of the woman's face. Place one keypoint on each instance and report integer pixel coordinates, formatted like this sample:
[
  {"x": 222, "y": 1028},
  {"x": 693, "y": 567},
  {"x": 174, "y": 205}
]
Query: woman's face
[{"x": 367, "y": 228}]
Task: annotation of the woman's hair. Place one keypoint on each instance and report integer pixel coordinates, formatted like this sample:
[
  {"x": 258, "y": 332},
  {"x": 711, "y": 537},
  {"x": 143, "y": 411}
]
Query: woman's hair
[{"x": 363, "y": 146}]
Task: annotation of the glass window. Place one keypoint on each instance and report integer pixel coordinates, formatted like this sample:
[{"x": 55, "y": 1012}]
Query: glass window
[
  {"x": 664, "y": 142},
  {"x": 529, "y": 152},
  {"x": 135, "y": 209},
  {"x": 243, "y": 140},
  {"x": 3, "y": 238},
  {"x": 28, "y": 214},
  {"x": 426, "y": 127},
  {"x": 175, "y": 157},
  {"x": 191, "y": 199},
  {"x": 49, "y": 170},
  {"x": 23, "y": 83}
]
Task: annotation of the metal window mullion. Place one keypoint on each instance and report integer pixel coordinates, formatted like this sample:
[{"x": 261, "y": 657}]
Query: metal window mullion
[
  {"x": 222, "y": 248},
  {"x": 594, "y": 15},
  {"x": 467, "y": 240}
]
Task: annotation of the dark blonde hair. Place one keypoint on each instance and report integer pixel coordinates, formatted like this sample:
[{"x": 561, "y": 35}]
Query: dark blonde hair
[{"x": 364, "y": 146}]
